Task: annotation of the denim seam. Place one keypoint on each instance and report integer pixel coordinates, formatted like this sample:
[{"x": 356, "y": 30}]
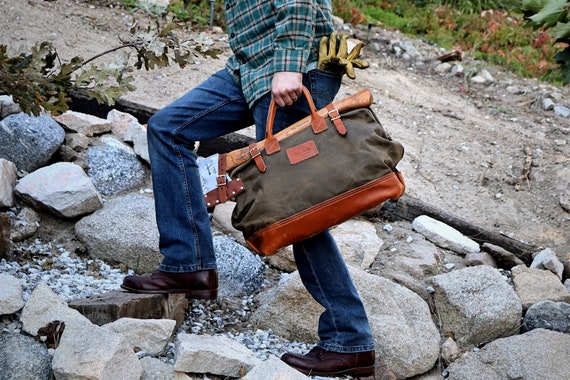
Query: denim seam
[
  {"x": 182, "y": 169},
  {"x": 325, "y": 299},
  {"x": 187, "y": 199}
]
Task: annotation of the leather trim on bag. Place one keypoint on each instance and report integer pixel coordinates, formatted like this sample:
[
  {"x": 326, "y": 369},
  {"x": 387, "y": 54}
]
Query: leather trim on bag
[
  {"x": 318, "y": 124},
  {"x": 318, "y": 218}
]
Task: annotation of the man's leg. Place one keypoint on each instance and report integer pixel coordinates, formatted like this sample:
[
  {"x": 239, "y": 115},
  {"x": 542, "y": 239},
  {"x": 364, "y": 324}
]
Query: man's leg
[
  {"x": 214, "y": 108},
  {"x": 346, "y": 345}
]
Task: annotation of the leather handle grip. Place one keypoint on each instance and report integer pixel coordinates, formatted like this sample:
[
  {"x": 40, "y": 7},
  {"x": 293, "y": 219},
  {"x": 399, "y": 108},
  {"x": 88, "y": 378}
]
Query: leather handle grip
[
  {"x": 362, "y": 98},
  {"x": 271, "y": 143}
]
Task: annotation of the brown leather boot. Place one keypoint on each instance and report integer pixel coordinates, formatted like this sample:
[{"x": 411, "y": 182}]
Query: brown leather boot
[
  {"x": 200, "y": 285},
  {"x": 320, "y": 362}
]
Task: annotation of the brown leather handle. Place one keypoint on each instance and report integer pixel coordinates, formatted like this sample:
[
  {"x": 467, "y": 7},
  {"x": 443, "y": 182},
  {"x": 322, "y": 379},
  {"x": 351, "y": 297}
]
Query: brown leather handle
[
  {"x": 317, "y": 122},
  {"x": 362, "y": 98}
]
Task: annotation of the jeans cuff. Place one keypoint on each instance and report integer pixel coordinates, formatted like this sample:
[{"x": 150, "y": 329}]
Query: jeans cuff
[{"x": 346, "y": 349}]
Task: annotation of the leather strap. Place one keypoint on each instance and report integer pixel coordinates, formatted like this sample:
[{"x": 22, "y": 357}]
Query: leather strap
[
  {"x": 221, "y": 179},
  {"x": 335, "y": 118},
  {"x": 225, "y": 190},
  {"x": 255, "y": 153}
]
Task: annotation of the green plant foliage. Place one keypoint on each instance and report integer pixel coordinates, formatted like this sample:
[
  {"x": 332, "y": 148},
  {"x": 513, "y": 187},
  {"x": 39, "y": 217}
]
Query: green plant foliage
[
  {"x": 490, "y": 30},
  {"x": 31, "y": 79},
  {"x": 40, "y": 79},
  {"x": 148, "y": 7},
  {"x": 471, "y": 6},
  {"x": 198, "y": 12},
  {"x": 552, "y": 15}
]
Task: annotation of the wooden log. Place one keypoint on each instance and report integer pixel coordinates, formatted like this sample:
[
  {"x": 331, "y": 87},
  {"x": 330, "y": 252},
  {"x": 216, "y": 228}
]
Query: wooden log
[
  {"x": 224, "y": 144},
  {"x": 81, "y": 102},
  {"x": 408, "y": 208}
]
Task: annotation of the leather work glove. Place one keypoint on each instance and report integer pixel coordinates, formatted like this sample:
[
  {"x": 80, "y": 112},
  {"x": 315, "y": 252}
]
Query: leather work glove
[{"x": 340, "y": 62}]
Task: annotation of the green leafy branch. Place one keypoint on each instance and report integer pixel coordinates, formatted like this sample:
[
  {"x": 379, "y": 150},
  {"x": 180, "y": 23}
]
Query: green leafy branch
[
  {"x": 552, "y": 15},
  {"x": 39, "y": 80}
]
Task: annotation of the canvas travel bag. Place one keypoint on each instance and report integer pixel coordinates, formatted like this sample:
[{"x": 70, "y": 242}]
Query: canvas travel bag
[{"x": 321, "y": 171}]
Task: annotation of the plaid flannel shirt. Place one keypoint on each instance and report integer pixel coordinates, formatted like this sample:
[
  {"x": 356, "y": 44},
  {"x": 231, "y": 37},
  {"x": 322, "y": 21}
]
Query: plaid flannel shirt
[{"x": 268, "y": 36}]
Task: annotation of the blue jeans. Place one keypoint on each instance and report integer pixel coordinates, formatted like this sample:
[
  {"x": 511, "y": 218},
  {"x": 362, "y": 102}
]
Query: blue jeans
[{"x": 215, "y": 108}]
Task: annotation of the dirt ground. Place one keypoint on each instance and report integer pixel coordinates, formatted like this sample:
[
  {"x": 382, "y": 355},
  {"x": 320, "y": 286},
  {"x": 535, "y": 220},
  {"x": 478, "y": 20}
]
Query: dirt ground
[{"x": 465, "y": 151}]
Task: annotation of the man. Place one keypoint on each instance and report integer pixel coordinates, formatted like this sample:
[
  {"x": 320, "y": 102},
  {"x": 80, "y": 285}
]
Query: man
[{"x": 275, "y": 45}]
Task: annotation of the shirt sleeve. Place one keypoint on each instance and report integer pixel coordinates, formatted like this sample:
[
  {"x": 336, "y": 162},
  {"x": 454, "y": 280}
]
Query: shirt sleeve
[{"x": 295, "y": 31}]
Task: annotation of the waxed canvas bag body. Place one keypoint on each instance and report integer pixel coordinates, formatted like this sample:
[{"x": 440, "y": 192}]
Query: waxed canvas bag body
[{"x": 340, "y": 166}]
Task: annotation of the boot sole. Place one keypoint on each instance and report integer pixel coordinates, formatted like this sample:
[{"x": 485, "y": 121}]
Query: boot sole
[
  {"x": 208, "y": 294},
  {"x": 356, "y": 372}
]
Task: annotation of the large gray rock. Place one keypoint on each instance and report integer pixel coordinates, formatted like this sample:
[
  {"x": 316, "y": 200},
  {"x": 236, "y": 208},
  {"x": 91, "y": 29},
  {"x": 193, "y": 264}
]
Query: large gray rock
[
  {"x": 240, "y": 271},
  {"x": 43, "y": 307},
  {"x": 218, "y": 355},
  {"x": 85, "y": 124},
  {"x": 548, "y": 315},
  {"x": 87, "y": 351},
  {"x": 8, "y": 177},
  {"x": 114, "y": 167},
  {"x": 358, "y": 242},
  {"x": 274, "y": 369},
  {"x": 123, "y": 231},
  {"x": 403, "y": 330},
  {"x": 539, "y": 354},
  {"x": 22, "y": 358},
  {"x": 547, "y": 259},
  {"x": 288, "y": 310},
  {"x": 11, "y": 296},
  {"x": 150, "y": 335},
  {"x": 29, "y": 141},
  {"x": 476, "y": 305},
  {"x": 444, "y": 236},
  {"x": 62, "y": 189},
  {"x": 534, "y": 285}
]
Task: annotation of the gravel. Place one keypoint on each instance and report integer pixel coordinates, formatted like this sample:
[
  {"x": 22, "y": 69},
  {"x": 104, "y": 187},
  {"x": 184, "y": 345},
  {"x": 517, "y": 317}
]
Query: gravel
[{"x": 73, "y": 277}]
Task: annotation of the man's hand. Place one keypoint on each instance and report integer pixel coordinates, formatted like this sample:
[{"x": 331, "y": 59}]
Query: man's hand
[
  {"x": 286, "y": 87},
  {"x": 341, "y": 62}
]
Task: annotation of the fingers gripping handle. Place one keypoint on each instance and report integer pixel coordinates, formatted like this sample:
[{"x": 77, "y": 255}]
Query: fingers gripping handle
[{"x": 317, "y": 123}]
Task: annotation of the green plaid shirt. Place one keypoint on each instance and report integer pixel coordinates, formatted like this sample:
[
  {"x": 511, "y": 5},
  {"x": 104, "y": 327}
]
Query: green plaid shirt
[{"x": 268, "y": 36}]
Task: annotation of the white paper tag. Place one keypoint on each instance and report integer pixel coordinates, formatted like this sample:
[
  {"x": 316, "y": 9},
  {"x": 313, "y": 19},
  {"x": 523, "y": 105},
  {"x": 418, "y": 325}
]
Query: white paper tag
[{"x": 208, "y": 167}]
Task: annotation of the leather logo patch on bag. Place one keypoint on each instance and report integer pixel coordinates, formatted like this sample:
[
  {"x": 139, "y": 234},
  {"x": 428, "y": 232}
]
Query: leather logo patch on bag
[{"x": 302, "y": 152}]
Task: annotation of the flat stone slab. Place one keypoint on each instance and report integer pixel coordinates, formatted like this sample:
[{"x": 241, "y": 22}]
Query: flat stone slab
[{"x": 106, "y": 308}]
